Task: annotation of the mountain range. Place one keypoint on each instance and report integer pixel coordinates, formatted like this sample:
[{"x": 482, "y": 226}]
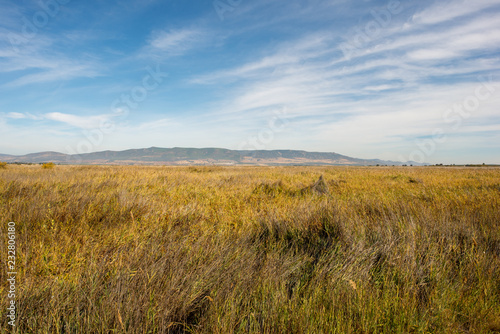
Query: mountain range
[{"x": 197, "y": 156}]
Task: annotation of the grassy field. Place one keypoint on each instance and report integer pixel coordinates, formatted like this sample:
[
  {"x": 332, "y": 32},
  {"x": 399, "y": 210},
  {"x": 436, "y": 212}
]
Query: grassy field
[{"x": 252, "y": 249}]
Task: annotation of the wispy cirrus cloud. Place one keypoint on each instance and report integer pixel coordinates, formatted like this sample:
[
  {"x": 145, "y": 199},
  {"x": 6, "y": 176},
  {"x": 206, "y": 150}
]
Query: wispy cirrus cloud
[
  {"x": 285, "y": 54},
  {"x": 227, "y": 78},
  {"x": 82, "y": 122},
  {"x": 60, "y": 73},
  {"x": 443, "y": 11},
  {"x": 32, "y": 53},
  {"x": 38, "y": 63},
  {"x": 18, "y": 115},
  {"x": 172, "y": 42},
  {"x": 399, "y": 86}
]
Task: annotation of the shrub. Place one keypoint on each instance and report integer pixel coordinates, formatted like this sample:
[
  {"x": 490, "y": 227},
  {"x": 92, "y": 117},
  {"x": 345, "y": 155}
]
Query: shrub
[
  {"x": 3, "y": 165},
  {"x": 48, "y": 165}
]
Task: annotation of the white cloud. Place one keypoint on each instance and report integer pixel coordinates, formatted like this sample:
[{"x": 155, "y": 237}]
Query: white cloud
[
  {"x": 169, "y": 43},
  {"x": 36, "y": 62},
  {"x": 57, "y": 74},
  {"x": 89, "y": 122},
  {"x": 379, "y": 100},
  {"x": 157, "y": 124},
  {"x": 16, "y": 115},
  {"x": 443, "y": 11},
  {"x": 456, "y": 39},
  {"x": 394, "y": 89},
  {"x": 287, "y": 54},
  {"x": 432, "y": 54},
  {"x": 172, "y": 39},
  {"x": 380, "y": 87}
]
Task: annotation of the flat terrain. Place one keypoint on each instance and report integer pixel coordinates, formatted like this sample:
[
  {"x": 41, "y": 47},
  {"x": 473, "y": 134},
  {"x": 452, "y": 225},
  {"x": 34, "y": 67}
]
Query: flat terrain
[{"x": 103, "y": 249}]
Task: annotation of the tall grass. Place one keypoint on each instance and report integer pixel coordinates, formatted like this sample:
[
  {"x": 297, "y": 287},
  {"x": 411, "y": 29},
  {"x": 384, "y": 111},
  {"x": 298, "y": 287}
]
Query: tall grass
[{"x": 247, "y": 250}]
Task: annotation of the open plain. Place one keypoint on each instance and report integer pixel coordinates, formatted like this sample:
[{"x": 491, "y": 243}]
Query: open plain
[{"x": 128, "y": 249}]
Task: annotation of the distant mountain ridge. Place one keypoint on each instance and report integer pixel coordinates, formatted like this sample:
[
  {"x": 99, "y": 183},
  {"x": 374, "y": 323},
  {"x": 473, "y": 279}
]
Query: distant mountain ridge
[{"x": 198, "y": 156}]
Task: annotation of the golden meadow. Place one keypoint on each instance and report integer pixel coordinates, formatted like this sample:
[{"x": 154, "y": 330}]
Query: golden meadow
[{"x": 127, "y": 249}]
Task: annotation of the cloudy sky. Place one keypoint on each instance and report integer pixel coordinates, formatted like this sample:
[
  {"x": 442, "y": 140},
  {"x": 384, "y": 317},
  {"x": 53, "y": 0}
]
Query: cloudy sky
[{"x": 399, "y": 80}]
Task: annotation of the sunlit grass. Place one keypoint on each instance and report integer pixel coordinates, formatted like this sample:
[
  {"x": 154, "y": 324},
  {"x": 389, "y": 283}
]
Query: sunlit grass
[{"x": 252, "y": 250}]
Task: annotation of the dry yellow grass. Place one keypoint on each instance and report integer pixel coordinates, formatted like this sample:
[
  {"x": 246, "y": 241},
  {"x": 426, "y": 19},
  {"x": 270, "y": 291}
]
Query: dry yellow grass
[{"x": 253, "y": 249}]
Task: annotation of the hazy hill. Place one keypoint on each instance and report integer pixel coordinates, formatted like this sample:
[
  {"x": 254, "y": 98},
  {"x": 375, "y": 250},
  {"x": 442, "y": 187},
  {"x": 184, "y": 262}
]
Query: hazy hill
[{"x": 198, "y": 156}]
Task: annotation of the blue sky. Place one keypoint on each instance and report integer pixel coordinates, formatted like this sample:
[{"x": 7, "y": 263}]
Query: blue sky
[{"x": 397, "y": 80}]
